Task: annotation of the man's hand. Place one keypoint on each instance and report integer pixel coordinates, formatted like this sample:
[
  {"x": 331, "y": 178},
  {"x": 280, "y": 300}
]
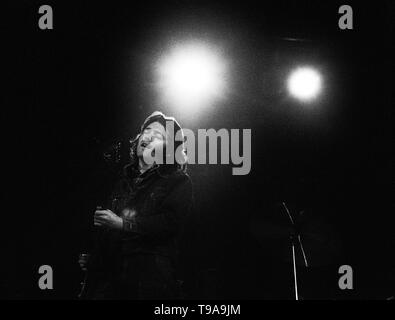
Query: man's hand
[{"x": 108, "y": 219}]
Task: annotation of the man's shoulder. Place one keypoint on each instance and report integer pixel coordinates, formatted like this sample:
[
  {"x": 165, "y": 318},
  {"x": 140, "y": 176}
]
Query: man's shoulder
[
  {"x": 179, "y": 185},
  {"x": 178, "y": 176}
]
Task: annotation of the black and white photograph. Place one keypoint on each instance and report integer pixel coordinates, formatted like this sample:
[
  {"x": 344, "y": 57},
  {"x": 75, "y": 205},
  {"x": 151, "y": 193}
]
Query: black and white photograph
[{"x": 198, "y": 154}]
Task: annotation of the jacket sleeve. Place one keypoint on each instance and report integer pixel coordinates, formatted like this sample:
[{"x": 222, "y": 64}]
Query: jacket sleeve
[{"x": 170, "y": 217}]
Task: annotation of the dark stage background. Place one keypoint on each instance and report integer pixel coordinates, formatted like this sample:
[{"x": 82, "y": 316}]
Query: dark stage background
[{"x": 74, "y": 90}]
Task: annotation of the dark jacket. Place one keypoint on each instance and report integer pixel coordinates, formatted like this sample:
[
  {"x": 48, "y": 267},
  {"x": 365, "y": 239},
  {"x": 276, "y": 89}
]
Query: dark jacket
[{"x": 162, "y": 199}]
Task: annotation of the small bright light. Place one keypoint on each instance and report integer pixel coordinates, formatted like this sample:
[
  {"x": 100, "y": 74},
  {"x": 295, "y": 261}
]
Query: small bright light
[
  {"x": 191, "y": 75},
  {"x": 304, "y": 83}
]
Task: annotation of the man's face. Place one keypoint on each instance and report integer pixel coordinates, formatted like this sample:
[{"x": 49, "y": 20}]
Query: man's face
[{"x": 153, "y": 136}]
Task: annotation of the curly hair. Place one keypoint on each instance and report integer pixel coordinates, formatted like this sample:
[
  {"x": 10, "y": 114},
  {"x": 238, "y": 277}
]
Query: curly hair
[{"x": 158, "y": 116}]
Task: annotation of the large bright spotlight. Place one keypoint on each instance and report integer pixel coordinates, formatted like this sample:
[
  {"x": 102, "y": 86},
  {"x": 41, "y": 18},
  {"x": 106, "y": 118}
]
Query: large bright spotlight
[
  {"x": 304, "y": 83},
  {"x": 191, "y": 75}
]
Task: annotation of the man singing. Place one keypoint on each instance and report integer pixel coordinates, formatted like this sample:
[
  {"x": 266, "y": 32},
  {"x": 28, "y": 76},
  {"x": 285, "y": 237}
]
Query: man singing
[{"x": 136, "y": 250}]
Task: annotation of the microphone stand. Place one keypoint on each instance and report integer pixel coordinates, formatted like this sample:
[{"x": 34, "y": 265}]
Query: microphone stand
[{"x": 295, "y": 239}]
